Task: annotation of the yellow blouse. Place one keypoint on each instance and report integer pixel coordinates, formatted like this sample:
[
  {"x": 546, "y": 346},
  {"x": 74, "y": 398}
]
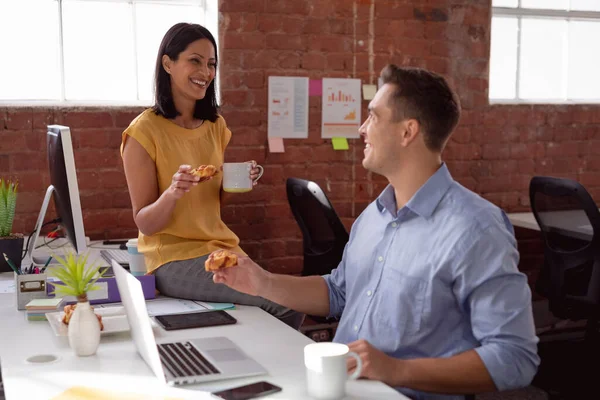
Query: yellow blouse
[{"x": 195, "y": 228}]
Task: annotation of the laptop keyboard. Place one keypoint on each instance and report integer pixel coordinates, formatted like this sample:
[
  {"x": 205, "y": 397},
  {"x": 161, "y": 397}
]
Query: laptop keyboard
[{"x": 183, "y": 359}]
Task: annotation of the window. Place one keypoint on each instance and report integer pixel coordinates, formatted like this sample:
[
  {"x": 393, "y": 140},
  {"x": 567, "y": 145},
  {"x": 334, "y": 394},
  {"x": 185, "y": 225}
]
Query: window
[
  {"x": 545, "y": 51},
  {"x": 88, "y": 51}
]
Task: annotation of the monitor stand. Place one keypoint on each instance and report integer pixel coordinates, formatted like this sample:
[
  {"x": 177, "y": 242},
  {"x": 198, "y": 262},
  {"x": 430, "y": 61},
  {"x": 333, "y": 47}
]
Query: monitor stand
[{"x": 40, "y": 259}]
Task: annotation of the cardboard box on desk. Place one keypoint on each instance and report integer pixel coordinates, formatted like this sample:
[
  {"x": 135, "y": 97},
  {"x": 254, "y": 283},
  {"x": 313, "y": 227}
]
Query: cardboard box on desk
[{"x": 109, "y": 291}]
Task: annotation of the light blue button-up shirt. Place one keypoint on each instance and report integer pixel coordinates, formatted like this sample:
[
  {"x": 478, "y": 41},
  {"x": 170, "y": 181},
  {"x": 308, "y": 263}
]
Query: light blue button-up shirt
[{"x": 434, "y": 279}]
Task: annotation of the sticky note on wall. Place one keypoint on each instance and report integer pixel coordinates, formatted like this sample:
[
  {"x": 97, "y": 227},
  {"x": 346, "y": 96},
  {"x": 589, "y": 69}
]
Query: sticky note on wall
[
  {"x": 315, "y": 87},
  {"x": 276, "y": 145},
  {"x": 369, "y": 91},
  {"x": 339, "y": 143}
]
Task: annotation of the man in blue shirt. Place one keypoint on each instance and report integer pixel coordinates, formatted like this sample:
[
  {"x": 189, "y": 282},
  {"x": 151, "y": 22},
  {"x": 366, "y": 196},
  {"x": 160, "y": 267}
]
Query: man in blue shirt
[{"x": 428, "y": 289}]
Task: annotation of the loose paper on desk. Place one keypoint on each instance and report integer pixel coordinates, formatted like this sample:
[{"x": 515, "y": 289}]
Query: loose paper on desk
[
  {"x": 341, "y": 108},
  {"x": 7, "y": 286},
  {"x": 288, "y": 107}
]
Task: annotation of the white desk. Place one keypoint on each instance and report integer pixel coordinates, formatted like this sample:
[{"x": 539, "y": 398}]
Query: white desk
[
  {"x": 523, "y": 220},
  {"x": 572, "y": 223},
  {"x": 118, "y": 367}
]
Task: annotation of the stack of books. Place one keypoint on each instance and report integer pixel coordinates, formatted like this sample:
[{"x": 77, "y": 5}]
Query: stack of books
[{"x": 36, "y": 309}]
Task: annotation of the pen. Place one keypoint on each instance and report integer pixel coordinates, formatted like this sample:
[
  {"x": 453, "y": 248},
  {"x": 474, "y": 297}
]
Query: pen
[
  {"x": 10, "y": 263},
  {"x": 46, "y": 265}
]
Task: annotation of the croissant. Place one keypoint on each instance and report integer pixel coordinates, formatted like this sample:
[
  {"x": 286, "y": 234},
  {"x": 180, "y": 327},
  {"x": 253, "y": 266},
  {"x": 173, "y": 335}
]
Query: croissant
[
  {"x": 68, "y": 312},
  {"x": 204, "y": 171},
  {"x": 220, "y": 259}
]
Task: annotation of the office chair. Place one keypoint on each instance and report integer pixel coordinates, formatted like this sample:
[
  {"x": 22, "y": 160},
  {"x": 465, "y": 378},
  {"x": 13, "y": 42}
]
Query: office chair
[
  {"x": 570, "y": 278},
  {"x": 323, "y": 234},
  {"x": 569, "y": 221}
]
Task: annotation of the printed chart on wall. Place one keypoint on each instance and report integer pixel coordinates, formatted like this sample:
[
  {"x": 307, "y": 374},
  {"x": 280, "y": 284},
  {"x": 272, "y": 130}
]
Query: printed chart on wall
[
  {"x": 288, "y": 107},
  {"x": 341, "y": 108}
]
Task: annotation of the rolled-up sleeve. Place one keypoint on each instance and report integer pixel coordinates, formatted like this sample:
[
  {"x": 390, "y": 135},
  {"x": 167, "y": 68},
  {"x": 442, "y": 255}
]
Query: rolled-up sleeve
[
  {"x": 336, "y": 284},
  {"x": 490, "y": 288}
]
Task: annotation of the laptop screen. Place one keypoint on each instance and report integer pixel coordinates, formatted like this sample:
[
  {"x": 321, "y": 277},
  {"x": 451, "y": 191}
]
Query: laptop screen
[{"x": 132, "y": 296}]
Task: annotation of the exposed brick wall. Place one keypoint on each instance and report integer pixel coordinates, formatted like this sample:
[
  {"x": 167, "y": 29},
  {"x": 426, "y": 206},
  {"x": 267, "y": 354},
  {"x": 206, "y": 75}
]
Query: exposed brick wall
[
  {"x": 96, "y": 139},
  {"x": 495, "y": 150}
]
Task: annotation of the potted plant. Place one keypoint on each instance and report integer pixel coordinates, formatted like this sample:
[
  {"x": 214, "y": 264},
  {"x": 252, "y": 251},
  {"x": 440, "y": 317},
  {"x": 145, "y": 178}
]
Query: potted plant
[
  {"x": 77, "y": 279},
  {"x": 10, "y": 243}
]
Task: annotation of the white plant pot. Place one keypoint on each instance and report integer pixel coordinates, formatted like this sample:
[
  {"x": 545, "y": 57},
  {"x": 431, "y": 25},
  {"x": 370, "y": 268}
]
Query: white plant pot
[{"x": 84, "y": 330}]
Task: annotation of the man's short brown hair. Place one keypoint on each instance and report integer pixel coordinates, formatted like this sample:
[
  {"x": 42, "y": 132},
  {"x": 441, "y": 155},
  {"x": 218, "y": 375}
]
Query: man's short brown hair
[{"x": 426, "y": 97}]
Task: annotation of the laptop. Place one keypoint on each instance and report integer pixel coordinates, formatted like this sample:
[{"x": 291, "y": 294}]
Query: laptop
[{"x": 184, "y": 362}]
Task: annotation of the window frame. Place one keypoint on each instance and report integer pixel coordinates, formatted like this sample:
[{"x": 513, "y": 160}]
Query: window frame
[
  {"x": 210, "y": 8},
  {"x": 519, "y": 13}
]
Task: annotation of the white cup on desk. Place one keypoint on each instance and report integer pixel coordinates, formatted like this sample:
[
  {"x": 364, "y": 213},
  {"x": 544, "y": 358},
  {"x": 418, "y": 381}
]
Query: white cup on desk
[
  {"x": 236, "y": 177},
  {"x": 137, "y": 265},
  {"x": 326, "y": 371}
]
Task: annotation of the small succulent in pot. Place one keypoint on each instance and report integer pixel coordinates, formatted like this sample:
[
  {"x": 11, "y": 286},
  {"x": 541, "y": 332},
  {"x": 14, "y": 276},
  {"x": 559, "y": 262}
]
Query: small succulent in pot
[{"x": 10, "y": 243}]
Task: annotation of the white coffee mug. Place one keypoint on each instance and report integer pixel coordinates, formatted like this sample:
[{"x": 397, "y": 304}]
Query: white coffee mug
[
  {"x": 236, "y": 177},
  {"x": 326, "y": 370},
  {"x": 137, "y": 265}
]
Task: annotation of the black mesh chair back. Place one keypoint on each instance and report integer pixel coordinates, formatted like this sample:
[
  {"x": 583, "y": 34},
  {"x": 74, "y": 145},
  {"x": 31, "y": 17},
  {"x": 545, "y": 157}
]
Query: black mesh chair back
[
  {"x": 323, "y": 234},
  {"x": 570, "y": 224}
]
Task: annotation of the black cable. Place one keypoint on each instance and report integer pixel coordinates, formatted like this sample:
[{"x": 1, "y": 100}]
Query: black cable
[
  {"x": 54, "y": 221},
  {"x": 47, "y": 244}
]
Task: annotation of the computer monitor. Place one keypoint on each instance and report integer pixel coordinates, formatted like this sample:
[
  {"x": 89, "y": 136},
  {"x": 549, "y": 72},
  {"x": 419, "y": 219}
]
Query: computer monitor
[{"x": 64, "y": 189}]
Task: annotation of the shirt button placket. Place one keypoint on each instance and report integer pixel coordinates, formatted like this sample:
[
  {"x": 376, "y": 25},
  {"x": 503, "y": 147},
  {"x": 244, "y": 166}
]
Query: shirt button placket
[{"x": 369, "y": 292}]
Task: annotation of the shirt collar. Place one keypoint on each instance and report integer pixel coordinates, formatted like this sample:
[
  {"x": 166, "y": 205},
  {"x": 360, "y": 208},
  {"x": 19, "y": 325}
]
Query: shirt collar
[{"x": 425, "y": 200}]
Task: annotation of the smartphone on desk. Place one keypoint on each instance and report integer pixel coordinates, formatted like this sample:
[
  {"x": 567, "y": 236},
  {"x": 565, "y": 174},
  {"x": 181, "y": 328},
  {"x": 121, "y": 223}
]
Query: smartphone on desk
[
  {"x": 251, "y": 391},
  {"x": 194, "y": 320}
]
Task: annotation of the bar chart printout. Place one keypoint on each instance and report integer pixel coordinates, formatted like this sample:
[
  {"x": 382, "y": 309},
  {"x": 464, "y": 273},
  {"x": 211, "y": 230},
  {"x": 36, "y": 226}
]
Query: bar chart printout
[
  {"x": 288, "y": 107},
  {"x": 341, "y": 108}
]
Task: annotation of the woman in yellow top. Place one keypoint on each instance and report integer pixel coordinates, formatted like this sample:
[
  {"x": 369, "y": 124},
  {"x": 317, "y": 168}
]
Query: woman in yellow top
[{"x": 178, "y": 214}]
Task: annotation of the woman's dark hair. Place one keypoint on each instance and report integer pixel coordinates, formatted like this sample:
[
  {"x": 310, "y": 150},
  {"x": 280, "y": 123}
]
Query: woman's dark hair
[
  {"x": 426, "y": 97},
  {"x": 176, "y": 40}
]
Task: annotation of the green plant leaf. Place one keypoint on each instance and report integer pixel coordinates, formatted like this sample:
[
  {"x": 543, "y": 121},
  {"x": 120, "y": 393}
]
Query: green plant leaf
[
  {"x": 3, "y": 217},
  {"x": 77, "y": 278},
  {"x": 99, "y": 274},
  {"x": 2, "y": 189},
  {"x": 3, "y": 209},
  {"x": 11, "y": 204},
  {"x": 8, "y": 203},
  {"x": 63, "y": 290},
  {"x": 65, "y": 277}
]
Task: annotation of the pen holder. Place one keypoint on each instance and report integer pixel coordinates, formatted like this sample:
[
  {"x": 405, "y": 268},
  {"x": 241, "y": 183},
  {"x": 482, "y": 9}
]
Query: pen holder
[{"x": 29, "y": 287}]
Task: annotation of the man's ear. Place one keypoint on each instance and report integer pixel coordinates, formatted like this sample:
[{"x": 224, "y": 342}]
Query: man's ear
[
  {"x": 166, "y": 63},
  {"x": 410, "y": 131}
]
